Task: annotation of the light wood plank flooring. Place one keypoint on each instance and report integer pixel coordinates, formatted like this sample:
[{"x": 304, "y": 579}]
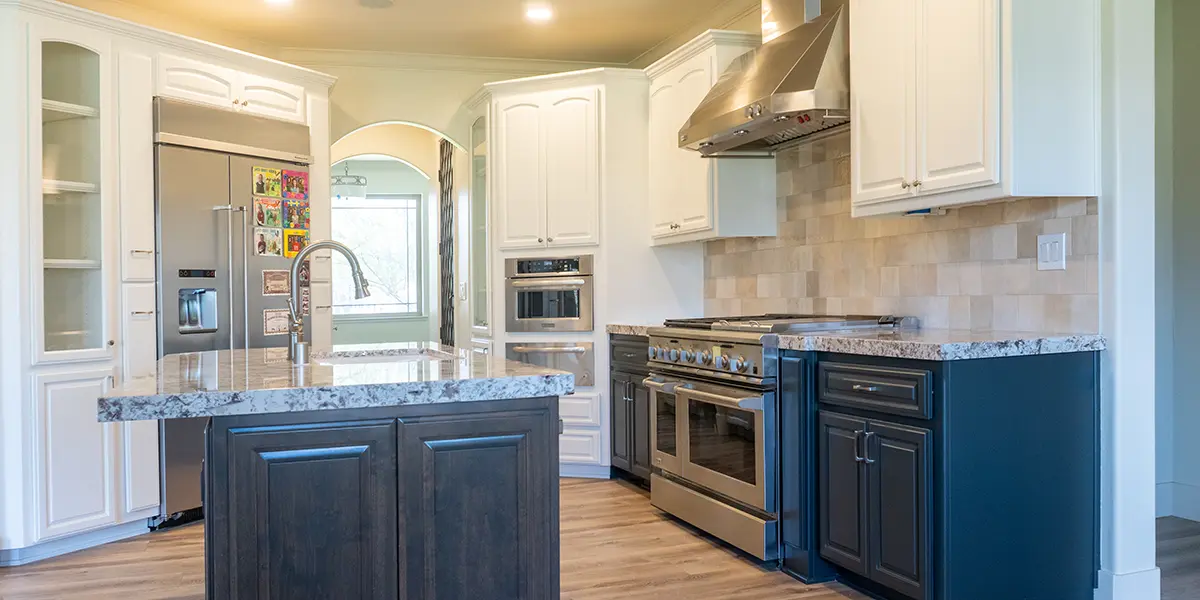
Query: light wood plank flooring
[{"x": 614, "y": 545}]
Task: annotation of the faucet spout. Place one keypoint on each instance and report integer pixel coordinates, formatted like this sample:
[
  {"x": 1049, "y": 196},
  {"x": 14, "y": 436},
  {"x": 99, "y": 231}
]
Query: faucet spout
[{"x": 298, "y": 348}]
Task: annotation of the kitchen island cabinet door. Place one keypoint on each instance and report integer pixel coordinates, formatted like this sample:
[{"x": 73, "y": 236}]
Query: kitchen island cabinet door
[
  {"x": 899, "y": 466},
  {"x": 479, "y": 507},
  {"x": 843, "y": 482},
  {"x": 324, "y": 496}
]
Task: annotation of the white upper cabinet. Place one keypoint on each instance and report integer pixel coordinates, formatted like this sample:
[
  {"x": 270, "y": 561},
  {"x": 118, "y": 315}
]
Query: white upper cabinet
[
  {"x": 202, "y": 82},
  {"x": 693, "y": 198},
  {"x": 135, "y": 101},
  {"x": 546, "y": 168},
  {"x": 965, "y": 102}
]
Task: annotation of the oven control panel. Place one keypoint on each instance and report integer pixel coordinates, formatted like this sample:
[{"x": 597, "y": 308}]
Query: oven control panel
[{"x": 706, "y": 355}]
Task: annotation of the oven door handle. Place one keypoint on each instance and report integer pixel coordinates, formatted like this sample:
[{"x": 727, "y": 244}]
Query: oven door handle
[
  {"x": 662, "y": 385},
  {"x": 550, "y": 350},
  {"x": 745, "y": 402},
  {"x": 555, "y": 284}
]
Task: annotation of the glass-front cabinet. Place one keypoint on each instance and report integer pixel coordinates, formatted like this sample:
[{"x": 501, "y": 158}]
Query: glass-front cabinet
[
  {"x": 74, "y": 134},
  {"x": 480, "y": 299}
]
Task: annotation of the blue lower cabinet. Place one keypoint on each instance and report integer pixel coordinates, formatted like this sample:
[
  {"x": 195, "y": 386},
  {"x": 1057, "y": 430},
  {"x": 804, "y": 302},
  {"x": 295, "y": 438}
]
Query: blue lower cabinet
[{"x": 973, "y": 479}]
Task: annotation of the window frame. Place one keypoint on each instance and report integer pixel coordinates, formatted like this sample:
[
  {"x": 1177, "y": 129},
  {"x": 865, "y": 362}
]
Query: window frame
[{"x": 422, "y": 311}]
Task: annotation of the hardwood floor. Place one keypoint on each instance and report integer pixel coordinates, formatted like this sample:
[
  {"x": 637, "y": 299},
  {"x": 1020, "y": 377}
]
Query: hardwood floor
[{"x": 614, "y": 545}]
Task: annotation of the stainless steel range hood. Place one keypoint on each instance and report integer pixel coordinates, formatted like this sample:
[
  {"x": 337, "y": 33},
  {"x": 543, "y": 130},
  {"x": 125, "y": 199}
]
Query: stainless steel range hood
[{"x": 796, "y": 84}]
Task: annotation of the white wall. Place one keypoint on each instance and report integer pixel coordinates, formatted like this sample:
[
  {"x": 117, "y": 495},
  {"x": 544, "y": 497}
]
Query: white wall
[
  {"x": 1164, "y": 256},
  {"x": 389, "y": 177}
]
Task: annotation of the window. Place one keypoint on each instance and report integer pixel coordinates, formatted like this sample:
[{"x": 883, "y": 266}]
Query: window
[{"x": 384, "y": 231}]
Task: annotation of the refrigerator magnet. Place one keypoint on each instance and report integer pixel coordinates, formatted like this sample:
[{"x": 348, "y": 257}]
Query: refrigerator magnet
[
  {"x": 276, "y": 282},
  {"x": 268, "y": 241},
  {"x": 305, "y": 273},
  {"x": 295, "y": 214},
  {"x": 294, "y": 240},
  {"x": 268, "y": 212},
  {"x": 275, "y": 321},
  {"x": 305, "y": 293},
  {"x": 267, "y": 182},
  {"x": 295, "y": 185}
]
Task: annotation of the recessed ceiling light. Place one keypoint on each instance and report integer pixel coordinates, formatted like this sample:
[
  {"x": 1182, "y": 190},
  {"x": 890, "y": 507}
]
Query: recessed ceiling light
[
  {"x": 539, "y": 13},
  {"x": 279, "y": 2}
]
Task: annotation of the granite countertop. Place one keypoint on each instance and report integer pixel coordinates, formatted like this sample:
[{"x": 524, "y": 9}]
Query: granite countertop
[
  {"x": 943, "y": 344},
  {"x": 622, "y": 329},
  {"x": 263, "y": 380}
]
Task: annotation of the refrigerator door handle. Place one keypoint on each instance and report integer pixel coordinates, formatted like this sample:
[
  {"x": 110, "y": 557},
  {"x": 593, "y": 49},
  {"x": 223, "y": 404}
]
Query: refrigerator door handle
[
  {"x": 245, "y": 281},
  {"x": 228, "y": 208}
]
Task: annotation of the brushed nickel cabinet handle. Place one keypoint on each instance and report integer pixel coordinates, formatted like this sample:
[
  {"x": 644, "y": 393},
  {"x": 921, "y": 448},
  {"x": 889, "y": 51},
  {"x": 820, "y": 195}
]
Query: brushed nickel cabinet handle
[
  {"x": 142, "y": 312},
  {"x": 857, "y": 434},
  {"x": 141, "y": 252},
  {"x": 867, "y": 448},
  {"x": 865, "y": 388}
]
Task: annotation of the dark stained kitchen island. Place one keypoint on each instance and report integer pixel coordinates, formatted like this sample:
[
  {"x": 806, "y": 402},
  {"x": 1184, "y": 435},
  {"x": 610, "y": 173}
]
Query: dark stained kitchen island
[{"x": 413, "y": 471}]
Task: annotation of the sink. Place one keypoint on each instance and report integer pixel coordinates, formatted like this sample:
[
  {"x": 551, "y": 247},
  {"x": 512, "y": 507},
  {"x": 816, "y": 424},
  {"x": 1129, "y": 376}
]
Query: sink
[{"x": 381, "y": 357}]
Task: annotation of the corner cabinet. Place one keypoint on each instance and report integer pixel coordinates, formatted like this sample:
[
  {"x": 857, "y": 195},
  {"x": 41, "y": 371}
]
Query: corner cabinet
[
  {"x": 204, "y": 83},
  {"x": 693, "y": 198},
  {"x": 547, "y": 168},
  {"x": 965, "y": 102}
]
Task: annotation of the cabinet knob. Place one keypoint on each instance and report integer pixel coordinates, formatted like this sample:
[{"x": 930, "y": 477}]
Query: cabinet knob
[
  {"x": 235, "y": 102},
  {"x": 245, "y": 103},
  {"x": 904, "y": 185},
  {"x": 917, "y": 183},
  {"x": 540, "y": 240},
  {"x": 550, "y": 240},
  {"x": 112, "y": 342}
]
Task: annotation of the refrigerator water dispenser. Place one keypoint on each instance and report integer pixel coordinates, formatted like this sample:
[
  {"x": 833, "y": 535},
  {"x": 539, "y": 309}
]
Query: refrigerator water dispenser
[{"x": 197, "y": 310}]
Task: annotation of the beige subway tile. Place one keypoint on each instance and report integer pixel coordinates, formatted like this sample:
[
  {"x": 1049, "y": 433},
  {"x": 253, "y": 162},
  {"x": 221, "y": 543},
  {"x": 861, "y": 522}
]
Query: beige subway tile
[
  {"x": 847, "y": 228},
  {"x": 983, "y": 215},
  {"x": 1045, "y": 282},
  {"x": 768, "y": 286},
  {"x": 949, "y": 246},
  {"x": 1004, "y": 241},
  {"x": 783, "y": 184},
  {"x": 798, "y": 206},
  {"x": 1006, "y": 313},
  {"x": 949, "y": 282},
  {"x": 802, "y": 306},
  {"x": 970, "y": 278},
  {"x": 889, "y": 281},
  {"x": 1092, "y": 273},
  {"x": 858, "y": 306},
  {"x": 800, "y": 258},
  {"x": 833, "y": 306},
  {"x": 1032, "y": 313},
  {"x": 1041, "y": 209},
  {"x": 747, "y": 286},
  {"x": 1057, "y": 226},
  {"x": 841, "y": 172},
  {"x": 820, "y": 306},
  {"x": 960, "y": 312},
  {"x": 726, "y": 288},
  {"x": 1075, "y": 279},
  {"x": 918, "y": 280},
  {"x": 885, "y": 306},
  {"x": 793, "y": 285},
  {"x": 981, "y": 313},
  {"x": 936, "y": 311},
  {"x": 710, "y": 288},
  {"x": 1086, "y": 230},
  {"x": 1085, "y": 313},
  {"x": 1058, "y": 313},
  {"x": 1071, "y": 207},
  {"x": 1027, "y": 234},
  {"x": 1018, "y": 211},
  {"x": 1093, "y": 206},
  {"x": 812, "y": 284}
]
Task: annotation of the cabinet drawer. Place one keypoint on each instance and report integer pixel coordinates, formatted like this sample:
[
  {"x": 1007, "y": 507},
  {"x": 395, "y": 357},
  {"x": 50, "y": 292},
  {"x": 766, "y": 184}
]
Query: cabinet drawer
[
  {"x": 891, "y": 390},
  {"x": 580, "y": 409},
  {"x": 629, "y": 350},
  {"x": 580, "y": 446}
]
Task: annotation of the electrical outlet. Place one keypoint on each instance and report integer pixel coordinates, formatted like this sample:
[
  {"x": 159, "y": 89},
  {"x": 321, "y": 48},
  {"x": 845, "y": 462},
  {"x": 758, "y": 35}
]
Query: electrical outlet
[{"x": 1052, "y": 252}]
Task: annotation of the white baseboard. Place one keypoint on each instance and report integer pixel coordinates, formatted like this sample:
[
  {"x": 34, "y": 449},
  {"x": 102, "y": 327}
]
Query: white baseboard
[
  {"x": 23, "y": 556},
  {"x": 1164, "y": 499},
  {"x": 584, "y": 471},
  {"x": 1184, "y": 500},
  {"x": 1139, "y": 585}
]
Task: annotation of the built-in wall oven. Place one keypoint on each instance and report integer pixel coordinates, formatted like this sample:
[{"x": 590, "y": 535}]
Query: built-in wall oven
[
  {"x": 548, "y": 294},
  {"x": 577, "y": 358},
  {"x": 714, "y": 437}
]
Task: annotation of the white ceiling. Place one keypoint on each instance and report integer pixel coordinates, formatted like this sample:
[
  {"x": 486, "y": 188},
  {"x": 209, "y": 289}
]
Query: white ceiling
[{"x": 611, "y": 31}]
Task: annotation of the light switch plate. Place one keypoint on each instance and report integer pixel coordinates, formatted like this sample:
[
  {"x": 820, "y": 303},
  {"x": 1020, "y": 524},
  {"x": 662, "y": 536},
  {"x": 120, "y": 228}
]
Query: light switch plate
[{"x": 1052, "y": 252}]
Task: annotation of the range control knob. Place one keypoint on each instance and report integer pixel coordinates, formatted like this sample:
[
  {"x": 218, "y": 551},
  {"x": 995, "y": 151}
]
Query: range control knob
[
  {"x": 721, "y": 362},
  {"x": 673, "y": 355},
  {"x": 739, "y": 364},
  {"x": 703, "y": 357},
  {"x": 687, "y": 356},
  {"x": 652, "y": 352}
]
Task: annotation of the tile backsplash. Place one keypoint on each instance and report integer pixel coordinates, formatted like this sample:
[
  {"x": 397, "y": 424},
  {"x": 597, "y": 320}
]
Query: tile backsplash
[{"x": 973, "y": 268}]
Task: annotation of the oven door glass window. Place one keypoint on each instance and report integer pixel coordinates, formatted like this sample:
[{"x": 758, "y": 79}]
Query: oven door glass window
[
  {"x": 665, "y": 424},
  {"x": 722, "y": 439},
  {"x": 548, "y": 304}
]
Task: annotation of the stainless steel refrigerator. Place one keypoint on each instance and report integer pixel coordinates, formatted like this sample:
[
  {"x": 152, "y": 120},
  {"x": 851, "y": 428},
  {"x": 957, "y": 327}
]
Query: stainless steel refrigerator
[{"x": 210, "y": 268}]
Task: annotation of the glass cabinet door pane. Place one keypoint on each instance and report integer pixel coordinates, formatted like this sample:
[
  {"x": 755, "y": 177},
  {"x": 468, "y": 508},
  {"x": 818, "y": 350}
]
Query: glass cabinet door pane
[
  {"x": 479, "y": 224},
  {"x": 72, "y": 215}
]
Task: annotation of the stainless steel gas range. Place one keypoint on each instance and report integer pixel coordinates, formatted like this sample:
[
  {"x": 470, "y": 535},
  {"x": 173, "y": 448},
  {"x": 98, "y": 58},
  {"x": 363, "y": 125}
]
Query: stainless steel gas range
[{"x": 714, "y": 399}]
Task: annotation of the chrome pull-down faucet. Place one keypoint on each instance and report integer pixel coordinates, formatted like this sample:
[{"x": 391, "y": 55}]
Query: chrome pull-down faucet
[{"x": 298, "y": 349}]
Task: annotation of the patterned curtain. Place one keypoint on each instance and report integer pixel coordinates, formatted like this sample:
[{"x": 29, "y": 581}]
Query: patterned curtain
[{"x": 446, "y": 242}]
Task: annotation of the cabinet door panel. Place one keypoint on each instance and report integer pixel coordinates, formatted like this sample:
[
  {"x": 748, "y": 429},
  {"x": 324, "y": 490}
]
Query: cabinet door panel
[
  {"x": 271, "y": 98},
  {"x": 958, "y": 96},
  {"x": 843, "y": 511},
  {"x": 480, "y": 483},
  {"x": 520, "y": 197},
  {"x": 139, "y": 439},
  {"x": 663, "y": 165},
  {"x": 76, "y": 468},
  {"x": 899, "y": 505},
  {"x": 325, "y": 500},
  {"x": 882, "y": 98},
  {"x": 193, "y": 80},
  {"x": 693, "y": 203},
  {"x": 640, "y": 415},
  {"x": 621, "y": 422},
  {"x": 135, "y": 92},
  {"x": 572, "y": 167}
]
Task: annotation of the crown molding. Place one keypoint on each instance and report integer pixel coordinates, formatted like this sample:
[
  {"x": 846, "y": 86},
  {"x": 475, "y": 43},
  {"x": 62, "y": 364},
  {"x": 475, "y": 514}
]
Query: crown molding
[
  {"x": 158, "y": 37},
  {"x": 701, "y": 43},
  {"x": 581, "y": 77},
  {"x": 408, "y": 61},
  {"x": 733, "y": 11}
]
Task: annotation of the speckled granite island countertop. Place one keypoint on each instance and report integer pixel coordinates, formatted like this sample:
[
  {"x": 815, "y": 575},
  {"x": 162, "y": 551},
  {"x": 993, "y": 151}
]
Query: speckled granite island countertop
[
  {"x": 943, "y": 344},
  {"x": 263, "y": 380}
]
